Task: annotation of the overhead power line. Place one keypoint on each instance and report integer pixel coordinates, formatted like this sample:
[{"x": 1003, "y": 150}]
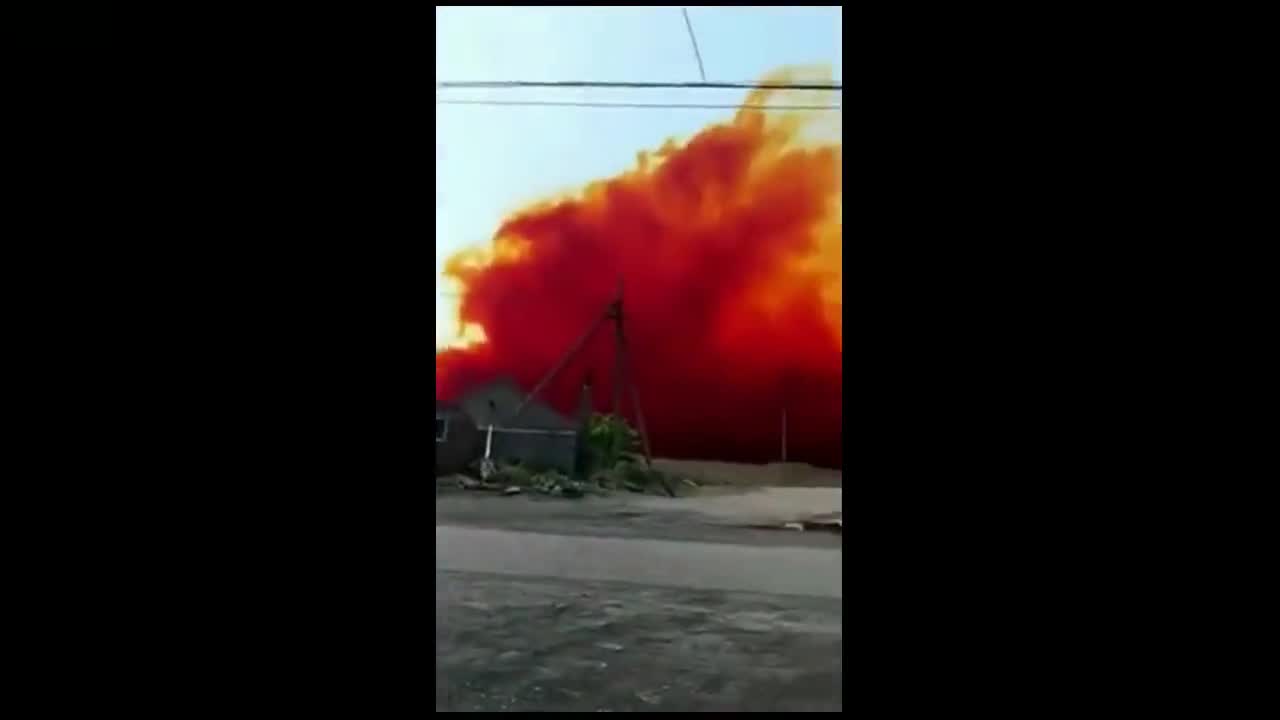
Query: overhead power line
[
  {"x": 701, "y": 73},
  {"x": 507, "y": 84},
  {"x": 698, "y": 106}
]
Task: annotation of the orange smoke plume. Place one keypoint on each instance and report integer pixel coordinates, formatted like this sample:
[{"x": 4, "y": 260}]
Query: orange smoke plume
[{"x": 729, "y": 245}]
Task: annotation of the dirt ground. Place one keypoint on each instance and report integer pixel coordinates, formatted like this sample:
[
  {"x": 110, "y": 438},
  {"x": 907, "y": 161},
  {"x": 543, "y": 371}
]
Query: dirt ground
[
  {"x": 538, "y": 644},
  {"x": 708, "y": 472},
  {"x": 711, "y": 518},
  {"x": 731, "y": 497}
]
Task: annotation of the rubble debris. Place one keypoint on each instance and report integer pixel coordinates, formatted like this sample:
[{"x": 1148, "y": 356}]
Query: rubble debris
[{"x": 825, "y": 523}]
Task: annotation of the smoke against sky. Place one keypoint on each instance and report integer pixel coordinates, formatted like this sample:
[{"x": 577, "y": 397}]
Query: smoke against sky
[{"x": 729, "y": 247}]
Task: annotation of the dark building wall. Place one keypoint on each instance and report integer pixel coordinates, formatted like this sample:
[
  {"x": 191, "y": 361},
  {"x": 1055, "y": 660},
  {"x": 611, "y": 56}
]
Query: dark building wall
[
  {"x": 496, "y": 403},
  {"x": 463, "y": 443},
  {"x": 535, "y": 451}
]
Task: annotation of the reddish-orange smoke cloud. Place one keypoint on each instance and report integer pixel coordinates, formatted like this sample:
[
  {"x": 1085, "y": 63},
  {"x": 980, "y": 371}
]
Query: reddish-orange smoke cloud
[{"x": 730, "y": 248}]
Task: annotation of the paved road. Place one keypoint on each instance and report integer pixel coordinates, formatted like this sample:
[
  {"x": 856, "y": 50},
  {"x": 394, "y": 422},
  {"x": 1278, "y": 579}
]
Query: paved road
[
  {"x": 814, "y": 572},
  {"x": 609, "y": 617},
  {"x": 506, "y": 643}
]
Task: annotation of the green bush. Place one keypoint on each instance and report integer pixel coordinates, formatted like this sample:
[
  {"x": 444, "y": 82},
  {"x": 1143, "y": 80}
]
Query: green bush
[{"x": 609, "y": 440}]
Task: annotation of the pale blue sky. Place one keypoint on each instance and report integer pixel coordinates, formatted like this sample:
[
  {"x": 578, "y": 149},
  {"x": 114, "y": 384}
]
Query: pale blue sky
[{"x": 491, "y": 160}]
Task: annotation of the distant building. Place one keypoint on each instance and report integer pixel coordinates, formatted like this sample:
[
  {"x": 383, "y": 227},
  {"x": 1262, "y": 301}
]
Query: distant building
[
  {"x": 496, "y": 403},
  {"x": 538, "y": 438},
  {"x": 458, "y": 441}
]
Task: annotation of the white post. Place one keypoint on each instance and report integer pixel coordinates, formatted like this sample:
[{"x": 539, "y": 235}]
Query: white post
[{"x": 486, "y": 465}]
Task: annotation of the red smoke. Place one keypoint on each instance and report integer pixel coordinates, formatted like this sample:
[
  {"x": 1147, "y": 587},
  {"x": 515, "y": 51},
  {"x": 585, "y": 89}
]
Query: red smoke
[{"x": 730, "y": 248}]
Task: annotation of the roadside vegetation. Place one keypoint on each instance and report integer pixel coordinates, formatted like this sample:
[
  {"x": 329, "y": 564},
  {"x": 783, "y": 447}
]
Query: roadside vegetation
[{"x": 612, "y": 461}]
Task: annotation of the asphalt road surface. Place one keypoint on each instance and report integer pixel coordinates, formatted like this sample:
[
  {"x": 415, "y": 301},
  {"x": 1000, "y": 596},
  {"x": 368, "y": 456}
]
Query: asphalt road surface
[
  {"x": 710, "y": 566},
  {"x": 525, "y": 644},
  {"x": 618, "y": 605}
]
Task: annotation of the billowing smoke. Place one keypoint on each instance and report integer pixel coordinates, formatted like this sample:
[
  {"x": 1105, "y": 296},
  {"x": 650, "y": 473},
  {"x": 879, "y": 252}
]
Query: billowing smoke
[{"x": 729, "y": 249}]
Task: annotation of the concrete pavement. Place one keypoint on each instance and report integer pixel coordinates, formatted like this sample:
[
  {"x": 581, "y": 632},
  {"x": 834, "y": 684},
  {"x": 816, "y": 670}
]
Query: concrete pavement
[{"x": 806, "y": 571}]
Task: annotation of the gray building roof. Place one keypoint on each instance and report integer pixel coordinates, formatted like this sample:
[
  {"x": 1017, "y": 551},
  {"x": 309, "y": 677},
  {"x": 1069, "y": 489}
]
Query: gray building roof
[{"x": 497, "y": 402}]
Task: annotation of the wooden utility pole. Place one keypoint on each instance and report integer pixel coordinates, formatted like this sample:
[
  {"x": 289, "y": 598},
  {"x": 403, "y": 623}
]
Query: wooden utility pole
[
  {"x": 621, "y": 382},
  {"x": 619, "y": 351},
  {"x": 784, "y": 434}
]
